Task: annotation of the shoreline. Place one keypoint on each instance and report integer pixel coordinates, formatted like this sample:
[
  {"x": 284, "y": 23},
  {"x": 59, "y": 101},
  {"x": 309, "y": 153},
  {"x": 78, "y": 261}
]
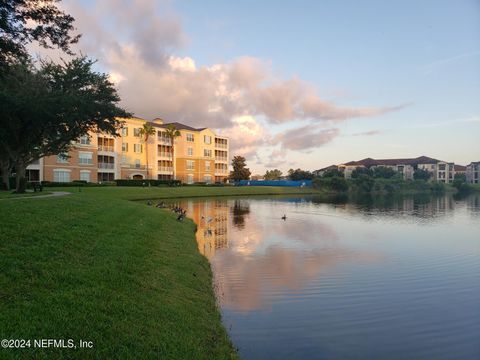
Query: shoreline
[{"x": 98, "y": 267}]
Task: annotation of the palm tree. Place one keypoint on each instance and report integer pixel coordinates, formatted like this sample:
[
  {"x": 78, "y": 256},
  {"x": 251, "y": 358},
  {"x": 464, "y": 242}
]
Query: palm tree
[
  {"x": 145, "y": 132},
  {"x": 172, "y": 133}
]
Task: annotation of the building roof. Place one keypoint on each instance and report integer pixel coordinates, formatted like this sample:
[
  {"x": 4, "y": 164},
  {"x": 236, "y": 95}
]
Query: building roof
[
  {"x": 331, "y": 167},
  {"x": 368, "y": 162},
  {"x": 179, "y": 126},
  {"x": 460, "y": 168}
]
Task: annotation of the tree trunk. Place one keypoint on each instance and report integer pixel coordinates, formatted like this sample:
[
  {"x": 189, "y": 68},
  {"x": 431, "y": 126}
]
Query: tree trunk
[
  {"x": 5, "y": 166},
  {"x": 21, "y": 182}
]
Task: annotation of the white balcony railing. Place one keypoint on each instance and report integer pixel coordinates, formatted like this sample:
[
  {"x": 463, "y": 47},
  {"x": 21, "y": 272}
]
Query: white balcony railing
[
  {"x": 165, "y": 155},
  {"x": 221, "y": 158},
  {"x": 221, "y": 146},
  {"x": 106, "y": 165},
  {"x": 164, "y": 141},
  {"x": 165, "y": 168},
  {"x": 105, "y": 148},
  {"x": 136, "y": 166}
]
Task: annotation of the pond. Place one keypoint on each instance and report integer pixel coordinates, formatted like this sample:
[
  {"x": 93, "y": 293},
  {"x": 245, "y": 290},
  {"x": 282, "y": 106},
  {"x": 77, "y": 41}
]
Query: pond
[{"x": 374, "y": 278}]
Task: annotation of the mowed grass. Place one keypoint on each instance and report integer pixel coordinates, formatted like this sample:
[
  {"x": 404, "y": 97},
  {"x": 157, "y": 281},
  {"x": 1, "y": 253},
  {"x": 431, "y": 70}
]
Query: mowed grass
[
  {"x": 94, "y": 266},
  {"x": 10, "y": 195}
]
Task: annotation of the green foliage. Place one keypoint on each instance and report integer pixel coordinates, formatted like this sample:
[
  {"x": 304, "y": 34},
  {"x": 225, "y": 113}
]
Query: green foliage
[
  {"x": 26, "y": 21},
  {"x": 240, "y": 171},
  {"x": 438, "y": 187},
  {"x": 364, "y": 183},
  {"x": 383, "y": 172},
  {"x": 332, "y": 173},
  {"x": 361, "y": 171},
  {"x": 272, "y": 174},
  {"x": 333, "y": 184},
  {"x": 299, "y": 174},
  {"x": 422, "y": 174},
  {"x": 151, "y": 182},
  {"x": 46, "y": 108}
]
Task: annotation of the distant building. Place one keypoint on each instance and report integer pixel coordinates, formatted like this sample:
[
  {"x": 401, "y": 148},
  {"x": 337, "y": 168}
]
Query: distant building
[
  {"x": 441, "y": 170},
  {"x": 472, "y": 171},
  {"x": 322, "y": 171}
]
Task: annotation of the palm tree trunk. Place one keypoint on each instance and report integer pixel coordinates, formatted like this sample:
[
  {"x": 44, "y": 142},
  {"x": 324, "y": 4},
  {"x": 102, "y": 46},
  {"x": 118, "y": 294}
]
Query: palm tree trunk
[{"x": 146, "y": 154}]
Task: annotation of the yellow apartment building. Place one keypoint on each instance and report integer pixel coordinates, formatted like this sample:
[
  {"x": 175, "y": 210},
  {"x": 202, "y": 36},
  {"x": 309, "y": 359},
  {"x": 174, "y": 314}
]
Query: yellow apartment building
[{"x": 198, "y": 155}]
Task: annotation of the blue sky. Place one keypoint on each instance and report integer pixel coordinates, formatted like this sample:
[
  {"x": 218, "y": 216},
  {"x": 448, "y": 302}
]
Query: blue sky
[{"x": 420, "y": 56}]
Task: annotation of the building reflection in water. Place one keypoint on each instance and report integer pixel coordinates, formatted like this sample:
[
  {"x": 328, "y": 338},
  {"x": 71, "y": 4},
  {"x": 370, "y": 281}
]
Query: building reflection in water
[
  {"x": 264, "y": 255},
  {"x": 211, "y": 217}
]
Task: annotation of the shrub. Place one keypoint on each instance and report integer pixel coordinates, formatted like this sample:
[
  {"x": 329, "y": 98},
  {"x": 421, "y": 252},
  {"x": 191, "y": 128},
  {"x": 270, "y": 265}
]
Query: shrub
[
  {"x": 151, "y": 182},
  {"x": 364, "y": 183},
  {"x": 335, "y": 183}
]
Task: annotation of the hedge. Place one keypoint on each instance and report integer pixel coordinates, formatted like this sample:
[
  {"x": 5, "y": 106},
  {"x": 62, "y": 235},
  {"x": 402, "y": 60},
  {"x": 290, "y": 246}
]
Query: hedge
[{"x": 151, "y": 182}]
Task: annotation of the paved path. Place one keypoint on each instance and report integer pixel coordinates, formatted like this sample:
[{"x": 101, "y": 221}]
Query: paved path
[{"x": 53, "y": 194}]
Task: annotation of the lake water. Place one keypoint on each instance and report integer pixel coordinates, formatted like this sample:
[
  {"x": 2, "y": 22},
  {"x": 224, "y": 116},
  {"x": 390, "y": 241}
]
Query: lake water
[{"x": 386, "y": 278}]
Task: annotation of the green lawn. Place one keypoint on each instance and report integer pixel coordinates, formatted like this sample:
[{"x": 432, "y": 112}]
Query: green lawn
[
  {"x": 94, "y": 266},
  {"x": 9, "y": 195}
]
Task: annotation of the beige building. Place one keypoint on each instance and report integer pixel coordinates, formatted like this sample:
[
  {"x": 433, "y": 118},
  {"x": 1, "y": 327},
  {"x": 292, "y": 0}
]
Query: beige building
[
  {"x": 441, "y": 170},
  {"x": 472, "y": 172},
  {"x": 198, "y": 155}
]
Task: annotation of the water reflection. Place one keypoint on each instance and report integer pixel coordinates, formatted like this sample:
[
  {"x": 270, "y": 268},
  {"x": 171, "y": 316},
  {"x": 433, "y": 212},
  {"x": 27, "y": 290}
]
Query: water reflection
[{"x": 363, "y": 277}]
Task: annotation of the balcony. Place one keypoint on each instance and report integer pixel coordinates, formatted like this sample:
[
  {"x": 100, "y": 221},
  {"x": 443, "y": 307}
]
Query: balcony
[
  {"x": 221, "y": 158},
  {"x": 106, "y": 165},
  {"x": 136, "y": 166},
  {"x": 221, "y": 146},
  {"x": 105, "y": 148},
  {"x": 168, "y": 169},
  {"x": 164, "y": 141},
  {"x": 167, "y": 155}
]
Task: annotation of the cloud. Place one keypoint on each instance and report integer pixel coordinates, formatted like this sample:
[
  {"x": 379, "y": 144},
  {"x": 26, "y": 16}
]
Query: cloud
[
  {"x": 305, "y": 137},
  {"x": 367, "y": 133},
  {"x": 136, "y": 41}
]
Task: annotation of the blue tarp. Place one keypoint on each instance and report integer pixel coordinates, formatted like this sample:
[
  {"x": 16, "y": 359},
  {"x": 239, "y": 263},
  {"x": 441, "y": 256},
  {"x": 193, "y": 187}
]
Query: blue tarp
[{"x": 299, "y": 183}]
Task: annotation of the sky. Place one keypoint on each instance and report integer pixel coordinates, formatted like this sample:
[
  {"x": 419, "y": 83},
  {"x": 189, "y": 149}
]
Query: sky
[{"x": 298, "y": 84}]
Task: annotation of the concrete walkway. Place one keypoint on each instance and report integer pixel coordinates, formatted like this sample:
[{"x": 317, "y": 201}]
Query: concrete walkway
[{"x": 53, "y": 194}]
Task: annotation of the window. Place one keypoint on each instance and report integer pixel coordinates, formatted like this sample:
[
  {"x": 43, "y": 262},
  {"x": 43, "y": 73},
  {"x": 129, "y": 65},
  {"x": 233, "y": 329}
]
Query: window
[
  {"x": 137, "y": 148},
  {"x": 190, "y": 165},
  {"x": 136, "y": 132},
  {"x": 189, "y": 179},
  {"x": 207, "y": 152},
  {"x": 124, "y": 147},
  {"x": 207, "y": 165},
  {"x": 125, "y": 131},
  {"x": 137, "y": 163},
  {"x": 62, "y": 158},
  {"x": 207, "y": 139},
  {"x": 190, "y": 138},
  {"x": 61, "y": 175},
  {"x": 85, "y": 175},
  {"x": 124, "y": 159},
  {"x": 84, "y": 140},
  {"x": 85, "y": 158},
  {"x": 207, "y": 179},
  {"x": 190, "y": 151}
]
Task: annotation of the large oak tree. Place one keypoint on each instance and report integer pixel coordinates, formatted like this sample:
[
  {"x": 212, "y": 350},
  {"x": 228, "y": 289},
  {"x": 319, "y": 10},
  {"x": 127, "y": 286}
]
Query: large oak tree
[{"x": 45, "y": 108}]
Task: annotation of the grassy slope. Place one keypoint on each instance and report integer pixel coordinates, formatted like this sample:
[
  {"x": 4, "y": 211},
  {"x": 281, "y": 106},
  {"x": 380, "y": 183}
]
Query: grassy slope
[
  {"x": 9, "y": 194},
  {"x": 96, "y": 267}
]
